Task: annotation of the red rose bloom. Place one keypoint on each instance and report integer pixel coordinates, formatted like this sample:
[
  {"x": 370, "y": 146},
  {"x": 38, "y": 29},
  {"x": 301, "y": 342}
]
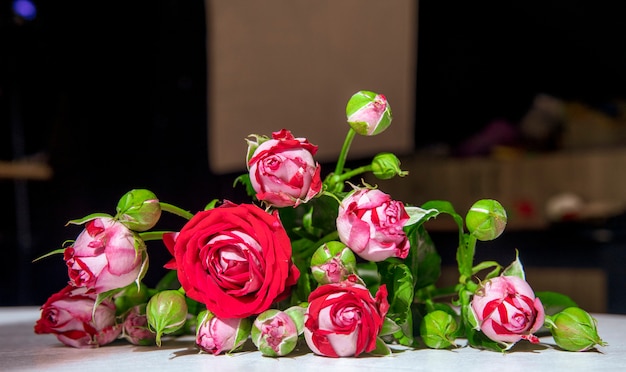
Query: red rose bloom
[{"x": 236, "y": 259}]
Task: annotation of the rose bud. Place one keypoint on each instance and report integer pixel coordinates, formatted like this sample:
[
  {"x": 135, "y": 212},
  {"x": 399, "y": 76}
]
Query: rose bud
[
  {"x": 368, "y": 113},
  {"x": 486, "y": 219},
  {"x": 573, "y": 329},
  {"x": 506, "y": 310},
  {"x": 135, "y": 327},
  {"x": 70, "y": 315},
  {"x": 274, "y": 333},
  {"x": 343, "y": 319},
  {"x": 438, "y": 330},
  {"x": 105, "y": 256},
  {"x": 371, "y": 224},
  {"x": 332, "y": 263},
  {"x": 386, "y": 166},
  {"x": 139, "y": 210},
  {"x": 216, "y": 335},
  {"x": 167, "y": 313},
  {"x": 282, "y": 170}
]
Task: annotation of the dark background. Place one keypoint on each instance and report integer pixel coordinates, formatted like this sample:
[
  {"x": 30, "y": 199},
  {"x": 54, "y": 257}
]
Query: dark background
[{"x": 113, "y": 95}]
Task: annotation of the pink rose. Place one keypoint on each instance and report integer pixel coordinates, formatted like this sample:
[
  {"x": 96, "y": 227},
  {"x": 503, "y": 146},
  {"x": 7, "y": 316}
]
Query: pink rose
[
  {"x": 135, "y": 327},
  {"x": 371, "y": 224},
  {"x": 343, "y": 319},
  {"x": 368, "y": 113},
  {"x": 105, "y": 256},
  {"x": 68, "y": 315},
  {"x": 283, "y": 172},
  {"x": 235, "y": 259},
  {"x": 507, "y": 310},
  {"x": 216, "y": 335}
]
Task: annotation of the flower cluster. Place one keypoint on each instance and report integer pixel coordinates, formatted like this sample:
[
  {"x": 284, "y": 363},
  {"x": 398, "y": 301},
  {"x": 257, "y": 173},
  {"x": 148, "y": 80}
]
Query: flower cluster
[{"x": 338, "y": 266}]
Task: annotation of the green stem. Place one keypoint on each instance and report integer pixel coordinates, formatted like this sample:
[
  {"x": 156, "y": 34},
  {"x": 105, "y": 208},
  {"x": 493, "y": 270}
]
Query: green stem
[
  {"x": 175, "y": 210},
  {"x": 152, "y": 235},
  {"x": 341, "y": 161},
  {"x": 346, "y": 176}
]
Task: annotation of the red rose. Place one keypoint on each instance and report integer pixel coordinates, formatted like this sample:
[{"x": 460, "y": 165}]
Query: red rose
[
  {"x": 69, "y": 314},
  {"x": 236, "y": 259},
  {"x": 343, "y": 319}
]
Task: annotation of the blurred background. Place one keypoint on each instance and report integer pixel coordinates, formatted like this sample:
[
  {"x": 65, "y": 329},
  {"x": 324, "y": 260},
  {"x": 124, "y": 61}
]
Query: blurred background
[{"x": 518, "y": 101}]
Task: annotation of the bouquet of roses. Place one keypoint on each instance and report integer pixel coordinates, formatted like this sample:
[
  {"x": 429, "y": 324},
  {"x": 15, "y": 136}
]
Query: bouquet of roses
[{"x": 336, "y": 264}]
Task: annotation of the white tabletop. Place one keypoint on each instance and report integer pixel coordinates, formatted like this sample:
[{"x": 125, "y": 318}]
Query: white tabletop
[{"x": 22, "y": 350}]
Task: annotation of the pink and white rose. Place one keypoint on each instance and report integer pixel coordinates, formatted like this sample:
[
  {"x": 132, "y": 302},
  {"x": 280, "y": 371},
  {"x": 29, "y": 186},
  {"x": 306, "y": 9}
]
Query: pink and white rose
[
  {"x": 68, "y": 315},
  {"x": 219, "y": 335},
  {"x": 507, "y": 310},
  {"x": 105, "y": 256},
  {"x": 344, "y": 319},
  {"x": 371, "y": 224},
  {"x": 282, "y": 170},
  {"x": 368, "y": 113}
]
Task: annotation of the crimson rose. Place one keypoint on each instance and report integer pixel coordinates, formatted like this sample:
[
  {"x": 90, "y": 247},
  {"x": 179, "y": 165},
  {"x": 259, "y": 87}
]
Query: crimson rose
[{"x": 236, "y": 259}]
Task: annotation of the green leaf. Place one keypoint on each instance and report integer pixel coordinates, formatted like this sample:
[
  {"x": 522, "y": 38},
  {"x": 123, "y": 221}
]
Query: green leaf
[
  {"x": 399, "y": 281},
  {"x": 423, "y": 258},
  {"x": 515, "y": 268},
  {"x": 389, "y": 327},
  {"x": 90, "y": 217},
  {"x": 381, "y": 348},
  {"x": 554, "y": 302},
  {"x": 244, "y": 179}
]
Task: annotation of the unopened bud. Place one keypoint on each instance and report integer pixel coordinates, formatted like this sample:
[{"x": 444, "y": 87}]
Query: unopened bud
[
  {"x": 139, "y": 209},
  {"x": 386, "y": 166},
  {"x": 332, "y": 262},
  {"x": 573, "y": 329},
  {"x": 368, "y": 113},
  {"x": 216, "y": 335},
  {"x": 274, "y": 333},
  {"x": 135, "y": 327},
  {"x": 486, "y": 219},
  {"x": 166, "y": 312}
]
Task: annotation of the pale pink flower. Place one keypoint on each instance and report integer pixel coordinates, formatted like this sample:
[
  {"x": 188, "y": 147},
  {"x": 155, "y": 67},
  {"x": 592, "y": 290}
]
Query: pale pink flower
[
  {"x": 69, "y": 314},
  {"x": 507, "y": 310},
  {"x": 282, "y": 170},
  {"x": 105, "y": 256},
  {"x": 371, "y": 224}
]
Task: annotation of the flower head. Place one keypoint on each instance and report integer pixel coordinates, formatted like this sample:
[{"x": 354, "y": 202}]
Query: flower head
[
  {"x": 219, "y": 335},
  {"x": 506, "y": 310},
  {"x": 274, "y": 333},
  {"x": 105, "y": 256},
  {"x": 166, "y": 312},
  {"x": 344, "y": 319},
  {"x": 70, "y": 315},
  {"x": 371, "y": 224},
  {"x": 368, "y": 113},
  {"x": 235, "y": 259},
  {"x": 282, "y": 169}
]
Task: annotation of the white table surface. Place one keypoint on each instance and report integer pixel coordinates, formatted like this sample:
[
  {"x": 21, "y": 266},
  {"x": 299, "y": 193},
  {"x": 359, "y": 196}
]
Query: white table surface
[{"x": 22, "y": 350}]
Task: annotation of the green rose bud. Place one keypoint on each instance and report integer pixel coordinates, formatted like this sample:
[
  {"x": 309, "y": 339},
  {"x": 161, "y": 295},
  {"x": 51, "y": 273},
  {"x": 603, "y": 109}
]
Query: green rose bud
[
  {"x": 332, "y": 262},
  {"x": 166, "y": 312},
  {"x": 297, "y": 314},
  {"x": 386, "y": 166},
  {"x": 139, "y": 210},
  {"x": 438, "y": 330},
  {"x": 486, "y": 219},
  {"x": 368, "y": 113},
  {"x": 573, "y": 329},
  {"x": 274, "y": 333}
]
